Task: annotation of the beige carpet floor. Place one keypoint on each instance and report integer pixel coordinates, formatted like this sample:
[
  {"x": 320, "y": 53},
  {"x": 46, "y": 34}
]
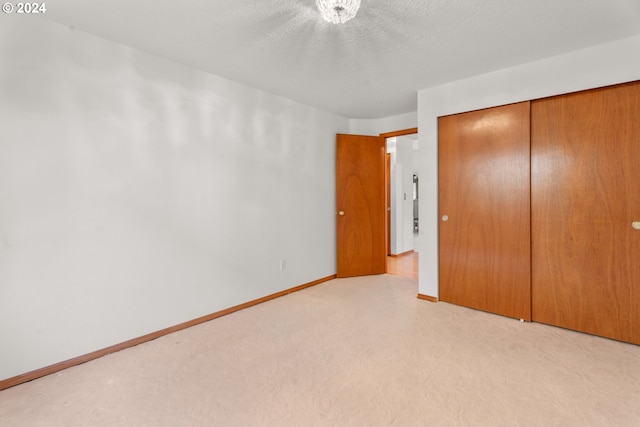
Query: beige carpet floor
[{"x": 349, "y": 352}]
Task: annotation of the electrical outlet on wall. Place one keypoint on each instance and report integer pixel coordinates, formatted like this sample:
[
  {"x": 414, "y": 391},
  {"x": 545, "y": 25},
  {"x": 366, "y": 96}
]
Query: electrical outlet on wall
[{"x": 283, "y": 264}]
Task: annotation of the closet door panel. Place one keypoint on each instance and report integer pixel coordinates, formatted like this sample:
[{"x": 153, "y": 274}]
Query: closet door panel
[
  {"x": 484, "y": 205},
  {"x": 585, "y": 165}
]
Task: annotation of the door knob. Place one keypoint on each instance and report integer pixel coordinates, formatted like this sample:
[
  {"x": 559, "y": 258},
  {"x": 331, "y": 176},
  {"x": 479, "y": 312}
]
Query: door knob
[
  {"x": 445, "y": 218},
  {"x": 341, "y": 213},
  {"x": 636, "y": 225}
]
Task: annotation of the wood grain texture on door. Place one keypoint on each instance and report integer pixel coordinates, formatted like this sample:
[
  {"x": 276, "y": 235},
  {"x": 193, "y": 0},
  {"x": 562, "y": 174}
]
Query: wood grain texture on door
[
  {"x": 484, "y": 207},
  {"x": 585, "y": 197},
  {"x": 360, "y": 202}
]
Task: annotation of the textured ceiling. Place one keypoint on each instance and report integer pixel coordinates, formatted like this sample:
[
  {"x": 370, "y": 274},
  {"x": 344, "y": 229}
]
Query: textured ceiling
[{"x": 370, "y": 67}]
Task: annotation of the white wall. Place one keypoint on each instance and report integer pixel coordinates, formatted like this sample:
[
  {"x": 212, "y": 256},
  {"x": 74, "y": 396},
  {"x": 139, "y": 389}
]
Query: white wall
[
  {"x": 402, "y": 170},
  {"x": 407, "y": 154},
  {"x": 384, "y": 125},
  {"x": 137, "y": 193},
  {"x": 602, "y": 65}
]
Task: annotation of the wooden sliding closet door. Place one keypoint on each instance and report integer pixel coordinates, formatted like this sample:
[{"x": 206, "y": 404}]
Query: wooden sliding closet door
[
  {"x": 484, "y": 205},
  {"x": 585, "y": 198}
]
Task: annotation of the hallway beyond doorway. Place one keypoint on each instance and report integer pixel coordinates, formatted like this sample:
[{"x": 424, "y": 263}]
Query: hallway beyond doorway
[{"x": 405, "y": 265}]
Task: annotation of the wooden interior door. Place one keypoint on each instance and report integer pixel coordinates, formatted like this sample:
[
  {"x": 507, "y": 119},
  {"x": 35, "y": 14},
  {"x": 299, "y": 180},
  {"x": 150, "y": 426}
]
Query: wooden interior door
[
  {"x": 585, "y": 198},
  {"x": 360, "y": 203},
  {"x": 484, "y": 207}
]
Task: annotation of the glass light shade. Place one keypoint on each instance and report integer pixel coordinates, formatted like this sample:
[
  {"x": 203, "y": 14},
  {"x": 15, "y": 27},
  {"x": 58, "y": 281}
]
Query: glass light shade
[{"x": 338, "y": 11}]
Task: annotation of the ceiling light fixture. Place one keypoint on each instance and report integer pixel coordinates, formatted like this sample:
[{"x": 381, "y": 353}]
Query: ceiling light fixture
[{"x": 338, "y": 11}]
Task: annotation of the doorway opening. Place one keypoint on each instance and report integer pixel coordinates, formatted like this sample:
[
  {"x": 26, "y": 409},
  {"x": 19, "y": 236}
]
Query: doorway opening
[
  {"x": 402, "y": 199},
  {"x": 370, "y": 226}
]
